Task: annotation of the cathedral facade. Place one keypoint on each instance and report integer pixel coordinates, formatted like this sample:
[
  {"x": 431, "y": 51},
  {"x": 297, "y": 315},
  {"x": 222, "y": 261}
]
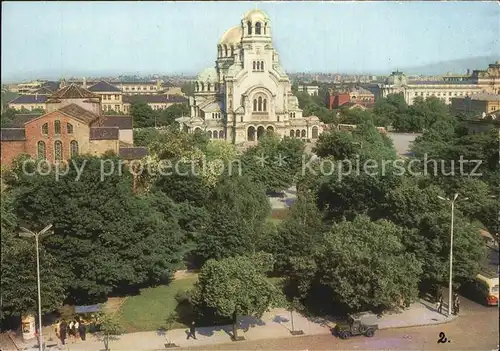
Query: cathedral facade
[{"x": 247, "y": 93}]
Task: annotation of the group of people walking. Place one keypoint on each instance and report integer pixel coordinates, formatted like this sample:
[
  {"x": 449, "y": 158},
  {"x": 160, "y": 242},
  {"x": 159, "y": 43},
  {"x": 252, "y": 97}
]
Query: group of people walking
[
  {"x": 76, "y": 329},
  {"x": 456, "y": 304}
]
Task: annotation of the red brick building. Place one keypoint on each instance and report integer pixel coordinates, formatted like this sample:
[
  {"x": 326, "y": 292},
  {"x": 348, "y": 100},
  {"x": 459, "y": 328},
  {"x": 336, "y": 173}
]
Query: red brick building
[
  {"x": 355, "y": 95},
  {"x": 72, "y": 125}
]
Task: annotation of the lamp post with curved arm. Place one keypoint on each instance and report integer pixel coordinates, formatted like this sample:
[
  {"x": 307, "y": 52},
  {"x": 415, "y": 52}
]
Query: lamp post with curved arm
[
  {"x": 25, "y": 233},
  {"x": 451, "y": 247}
]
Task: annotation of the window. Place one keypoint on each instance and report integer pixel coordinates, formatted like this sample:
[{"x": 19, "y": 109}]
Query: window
[
  {"x": 254, "y": 65},
  {"x": 151, "y": 88},
  {"x": 57, "y": 127},
  {"x": 255, "y": 104},
  {"x": 260, "y": 103},
  {"x": 45, "y": 129},
  {"x": 41, "y": 150},
  {"x": 249, "y": 24},
  {"x": 69, "y": 128},
  {"x": 58, "y": 150},
  {"x": 117, "y": 108},
  {"x": 73, "y": 147},
  {"x": 264, "y": 106},
  {"x": 262, "y": 65},
  {"x": 258, "y": 65},
  {"x": 258, "y": 27}
]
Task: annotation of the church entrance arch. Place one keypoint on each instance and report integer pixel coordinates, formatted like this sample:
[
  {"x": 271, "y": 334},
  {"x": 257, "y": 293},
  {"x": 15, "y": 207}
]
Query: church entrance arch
[
  {"x": 197, "y": 130},
  {"x": 251, "y": 133},
  {"x": 315, "y": 132},
  {"x": 260, "y": 132},
  {"x": 270, "y": 129}
]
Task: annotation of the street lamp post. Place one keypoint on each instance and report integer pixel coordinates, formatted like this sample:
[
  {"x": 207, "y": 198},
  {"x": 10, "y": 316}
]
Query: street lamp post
[
  {"x": 25, "y": 233},
  {"x": 451, "y": 247}
]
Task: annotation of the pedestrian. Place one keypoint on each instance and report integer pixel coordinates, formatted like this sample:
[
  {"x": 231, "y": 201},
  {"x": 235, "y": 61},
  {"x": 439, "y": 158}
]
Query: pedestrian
[
  {"x": 438, "y": 306},
  {"x": 70, "y": 329},
  {"x": 192, "y": 331},
  {"x": 76, "y": 329},
  {"x": 457, "y": 304},
  {"x": 63, "y": 328},
  {"x": 440, "y": 303},
  {"x": 82, "y": 330}
]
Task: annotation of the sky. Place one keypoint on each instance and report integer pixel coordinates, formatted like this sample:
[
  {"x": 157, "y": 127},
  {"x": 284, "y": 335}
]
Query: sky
[{"x": 62, "y": 39}]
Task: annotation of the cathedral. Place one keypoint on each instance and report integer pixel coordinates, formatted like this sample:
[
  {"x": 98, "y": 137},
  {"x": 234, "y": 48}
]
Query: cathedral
[{"x": 247, "y": 93}]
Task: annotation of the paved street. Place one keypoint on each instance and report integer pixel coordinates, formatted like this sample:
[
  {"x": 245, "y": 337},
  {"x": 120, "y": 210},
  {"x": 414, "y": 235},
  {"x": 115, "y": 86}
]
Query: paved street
[{"x": 475, "y": 329}]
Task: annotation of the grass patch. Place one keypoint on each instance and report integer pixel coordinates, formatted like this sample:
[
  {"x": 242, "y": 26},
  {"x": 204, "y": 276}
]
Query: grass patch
[{"x": 148, "y": 311}]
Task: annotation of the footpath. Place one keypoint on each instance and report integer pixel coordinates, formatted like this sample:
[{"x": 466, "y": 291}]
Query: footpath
[{"x": 274, "y": 324}]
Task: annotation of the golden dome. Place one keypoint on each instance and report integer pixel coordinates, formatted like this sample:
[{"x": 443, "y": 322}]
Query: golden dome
[
  {"x": 232, "y": 36},
  {"x": 255, "y": 15}
]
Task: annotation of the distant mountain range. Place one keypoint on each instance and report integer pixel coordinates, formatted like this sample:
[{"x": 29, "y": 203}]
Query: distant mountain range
[{"x": 455, "y": 66}]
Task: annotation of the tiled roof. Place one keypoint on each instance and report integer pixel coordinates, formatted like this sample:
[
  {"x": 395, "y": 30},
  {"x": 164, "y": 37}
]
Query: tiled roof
[
  {"x": 19, "y": 119},
  {"x": 133, "y": 153},
  {"x": 103, "y": 86},
  {"x": 122, "y": 122},
  {"x": 80, "y": 113},
  {"x": 154, "y": 98},
  {"x": 44, "y": 91},
  {"x": 73, "y": 91},
  {"x": 104, "y": 133},
  {"x": 52, "y": 86},
  {"x": 29, "y": 99},
  {"x": 137, "y": 82},
  {"x": 12, "y": 134}
]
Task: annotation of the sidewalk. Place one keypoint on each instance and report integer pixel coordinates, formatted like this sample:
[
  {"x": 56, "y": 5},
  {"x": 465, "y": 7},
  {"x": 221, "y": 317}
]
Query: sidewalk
[{"x": 275, "y": 324}]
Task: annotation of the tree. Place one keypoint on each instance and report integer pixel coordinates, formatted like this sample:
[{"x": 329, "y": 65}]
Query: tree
[
  {"x": 366, "y": 265},
  {"x": 18, "y": 259},
  {"x": 274, "y": 162},
  {"x": 300, "y": 233},
  {"x": 169, "y": 321},
  {"x": 235, "y": 286},
  {"x": 109, "y": 330},
  {"x": 107, "y": 236},
  {"x": 237, "y": 209},
  {"x": 7, "y": 117},
  {"x": 188, "y": 88},
  {"x": 143, "y": 115},
  {"x": 167, "y": 116},
  {"x": 339, "y": 145}
]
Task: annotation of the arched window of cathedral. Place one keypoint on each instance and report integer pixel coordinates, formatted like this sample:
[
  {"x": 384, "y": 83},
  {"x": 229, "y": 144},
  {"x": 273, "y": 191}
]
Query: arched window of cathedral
[
  {"x": 232, "y": 50},
  {"x": 258, "y": 27},
  {"x": 258, "y": 65},
  {"x": 57, "y": 127},
  {"x": 264, "y": 107},
  {"x": 41, "y": 150},
  {"x": 45, "y": 129},
  {"x": 303, "y": 133},
  {"x": 73, "y": 145},
  {"x": 254, "y": 65},
  {"x": 265, "y": 28},
  {"x": 249, "y": 25},
  {"x": 221, "y": 134},
  {"x": 202, "y": 87},
  {"x": 292, "y": 133},
  {"x": 215, "y": 134},
  {"x": 262, "y": 65},
  {"x": 196, "y": 87},
  {"x": 260, "y": 103},
  {"x": 255, "y": 104},
  {"x": 208, "y": 86},
  {"x": 58, "y": 154},
  {"x": 219, "y": 51}
]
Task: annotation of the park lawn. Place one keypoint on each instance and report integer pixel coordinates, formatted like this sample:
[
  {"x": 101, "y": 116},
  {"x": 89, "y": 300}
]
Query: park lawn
[{"x": 148, "y": 311}]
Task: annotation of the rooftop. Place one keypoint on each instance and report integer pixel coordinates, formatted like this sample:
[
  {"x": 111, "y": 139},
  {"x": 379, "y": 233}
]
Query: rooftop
[
  {"x": 485, "y": 97},
  {"x": 73, "y": 91},
  {"x": 104, "y": 133},
  {"x": 20, "y": 119},
  {"x": 80, "y": 113},
  {"x": 103, "y": 86},
  {"x": 12, "y": 134},
  {"x": 30, "y": 99},
  {"x": 122, "y": 122},
  {"x": 154, "y": 98},
  {"x": 133, "y": 153}
]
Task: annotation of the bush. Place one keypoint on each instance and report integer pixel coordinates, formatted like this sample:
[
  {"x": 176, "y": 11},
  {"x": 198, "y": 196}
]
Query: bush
[{"x": 183, "y": 297}]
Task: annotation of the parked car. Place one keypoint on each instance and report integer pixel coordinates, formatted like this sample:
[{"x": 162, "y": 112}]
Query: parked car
[{"x": 363, "y": 323}]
